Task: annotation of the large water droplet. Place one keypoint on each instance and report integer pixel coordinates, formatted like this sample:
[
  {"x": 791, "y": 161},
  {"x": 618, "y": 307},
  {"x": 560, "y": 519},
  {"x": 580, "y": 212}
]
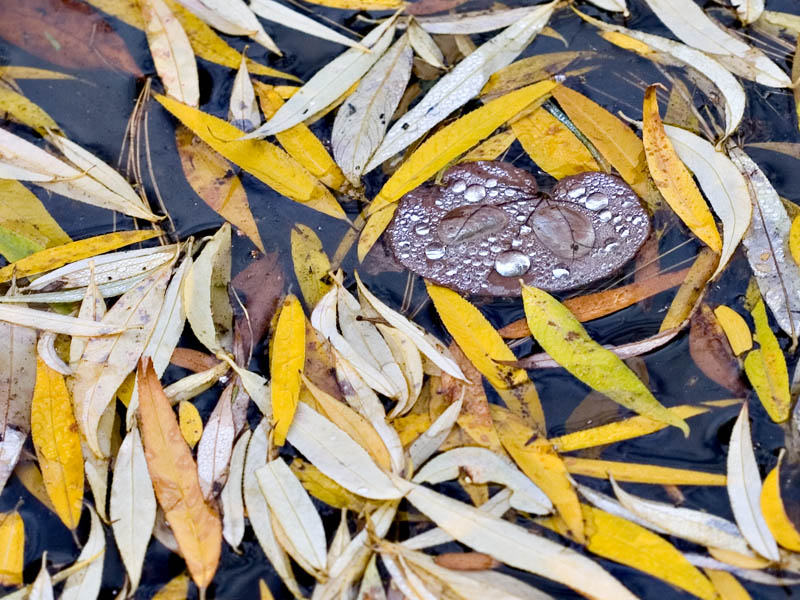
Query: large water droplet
[
  {"x": 422, "y": 229},
  {"x": 512, "y": 264},
  {"x": 490, "y": 183},
  {"x": 560, "y": 271},
  {"x": 576, "y": 192},
  {"x": 475, "y": 193},
  {"x": 597, "y": 201},
  {"x": 434, "y": 252},
  {"x": 459, "y": 186},
  {"x": 605, "y": 216}
]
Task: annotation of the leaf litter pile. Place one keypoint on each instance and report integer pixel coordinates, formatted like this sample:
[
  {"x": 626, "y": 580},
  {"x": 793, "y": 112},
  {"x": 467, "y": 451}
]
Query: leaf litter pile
[{"x": 445, "y": 356}]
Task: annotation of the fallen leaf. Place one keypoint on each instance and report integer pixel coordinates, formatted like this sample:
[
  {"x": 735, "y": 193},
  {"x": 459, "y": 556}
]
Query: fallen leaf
[
  {"x": 286, "y": 366},
  {"x": 766, "y": 368},
  {"x": 85, "y": 584},
  {"x": 736, "y": 329},
  {"x": 235, "y": 17},
  {"x": 280, "y": 13},
  {"x": 42, "y": 587},
  {"x": 196, "y": 525},
  {"x": 690, "y": 291},
  {"x": 231, "y": 498},
  {"x": 774, "y": 510},
  {"x": 12, "y": 540},
  {"x": 710, "y": 351},
  {"x": 190, "y": 423},
  {"x": 641, "y": 473},
  {"x": 216, "y": 446},
  {"x": 25, "y": 224},
  {"x": 20, "y": 109},
  {"x": 311, "y": 264}
]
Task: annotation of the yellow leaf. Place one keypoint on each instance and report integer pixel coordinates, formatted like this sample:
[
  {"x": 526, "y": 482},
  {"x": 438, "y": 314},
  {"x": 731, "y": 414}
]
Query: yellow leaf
[
  {"x": 263, "y": 160},
  {"x": 24, "y": 216},
  {"x": 31, "y": 477},
  {"x": 212, "y": 178},
  {"x": 190, "y": 422},
  {"x": 538, "y": 459},
  {"x": 491, "y": 148},
  {"x": 774, "y": 511},
  {"x": 766, "y": 368},
  {"x": 691, "y": 289},
  {"x": 743, "y": 561},
  {"x": 22, "y": 110},
  {"x": 311, "y": 264},
  {"x": 58, "y": 444},
  {"x": 263, "y": 591},
  {"x": 286, "y": 365},
  {"x": 615, "y": 140},
  {"x": 195, "y": 524},
  {"x": 727, "y": 586},
  {"x": 483, "y": 346},
  {"x": 794, "y": 239},
  {"x": 735, "y": 328},
  {"x": 325, "y": 489},
  {"x": 176, "y": 588},
  {"x": 300, "y": 142},
  {"x": 376, "y": 224},
  {"x": 527, "y": 71},
  {"x": 630, "y": 544},
  {"x": 621, "y": 430},
  {"x": 19, "y": 72},
  {"x": 553, "y": 147},
  {"x": 53, "y": 258},
  {"x": 627, "y": 43},
  {"x": 360, "y": 4},
  {"x": 639, "y": 473},
  {"x": 12, "y": 548},
  {"x": 673, "y": 179},
  {"x": 562, "y": 336}
]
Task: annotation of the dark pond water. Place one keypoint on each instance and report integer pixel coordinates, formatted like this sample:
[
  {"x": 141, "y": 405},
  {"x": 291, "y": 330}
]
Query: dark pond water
[{"x": 93, "y": 111}]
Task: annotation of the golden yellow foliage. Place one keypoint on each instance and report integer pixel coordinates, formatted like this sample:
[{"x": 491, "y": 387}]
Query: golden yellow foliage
[{"x": 286, "y": 366}]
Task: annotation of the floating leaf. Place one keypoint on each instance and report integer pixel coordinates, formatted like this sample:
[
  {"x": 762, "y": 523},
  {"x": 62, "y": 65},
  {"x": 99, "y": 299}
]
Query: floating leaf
[
  {"x": 709, "y": 348},
  {"x": 749, "y": 11},
  {"x": 641, "y": 473},
  {"x": 736, "y": 330},
  {"x": 12, "y": 541},
  {"x": 563, "y": 338},
  {"x": 311, "y": 264},
  {"x": 265, "y": 161},
  {"x": 766, "y": 368},
  {"x": 286, "y": 366},
  {"x": 243, "y": 108},
  {"x": 231, "y": 499},
  {"x": 744, "y": 489},
  {"x": 195, "y": 524},
  {"x": 42, "y": 587},
  {"x": 673, "y": 179},
  {"x": 58, "y": 444},
  {"x": 280, "y": 13},
  {"x": 85, "y": 584},
  {"x": 460, "y": 85},
  {"x": 20, "y": 109},
  {"x": 190, "y": 423},
  {"x": 690, "y": 291},
  {"x": 25, "y": 224},
  {"x": 774, "y": 511},
  {"x": 216, "y": 445}
]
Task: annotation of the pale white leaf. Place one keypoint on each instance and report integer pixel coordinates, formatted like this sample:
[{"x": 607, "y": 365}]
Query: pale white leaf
[
  {"x": 749, "y": 11},
  {"x": 433, "y": 437},
  {"x": 341, "y": 539},
  {"x": 338, "y": 456},
  {"x": 744, "y": 489},
  {"x": 613, "y": 506},
  {"x": 17, "y": 378},
  {"x": 48, "y": 321},
  {"x": 231, "y": 498},
  {"x": 93, "y": 308},
  {"x": 479, "y": 21},
  {"x": 10, "y": 450},
  {"x": 258, "y": 511},
  {"x": 96, "y": 467},
  {"x": 233, "y": 17},
  {"x": 405, "y": 580},
  {"x": 766, "y": 243},
  {"x": 64, "y": 179},
  {"x": 46, "y": 350},
  {"x": 516, "y": 546},
  {"x": 215, "y": 446},
  {"x": 42, "y": 588},
  {"x": 132, "y": 506},
  {"x": 696, "y": 526},
  {"x": 425, "y": 342},
  {"x": 754, "y": 575},
  {"x": 361, "y": 121},
  {"x": 85, "y": 584},
  {"x": 243, "y": 109},
  {"x": 292, "y": 507},
  {"x": 461, "y": 84},
  {"x": 721, "y": 182},
  {"x": 687, "y": 20},
  {"x": 423, "y": 44},
  {"x": 282, "y": 14},
  {"x": 330, "y": 82},
  {"x": 192, "y": 385},
  {"x": 255, "y": 385},
  {"x": 483, "y": 466},
  {"x": 371, "y": 586},
  {"x": 612, "y": 5},
  {"x": 410, "y": 362}
]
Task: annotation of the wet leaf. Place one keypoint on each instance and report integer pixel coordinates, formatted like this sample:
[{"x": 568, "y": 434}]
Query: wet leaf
[
  {"x": 286, "y": 366},
  {"x": 311, "y": 264},
  {"x": 736, "y": 329},
  {"x": 459, "y": 85},
  {"x": 673, "y": 179},
  {"x": 231, "y": 499},
  {"x": 749, "y": 11},
  {"x": 85, "y": 584},
  {"x": 263, "y": 160},
  {"x": 216, "y": 445},
  {"x": 42, "y": 587},
  {"x": 766, "y": 368},
  {"x": 710, "y": 351},
  {"x": 190, "y": 423},
  {"x": 727, "y": 586},
  {"x": 212, "y": 178},
  {"x": 176, "y": 588},
  {"x": 58, "y": 444},
  {"x": 235, "y": 17},
  {"x": 774, "y": 511},
  {"x": 362, "y": 120},
  {"x": 171, "y": 51},
  {"x": 133, "y": 505},
  {"x": 12, "y": 541},
  {"x": 25, "y": 224},
  {"x": 280, "y": 13},
  {"x": 22, "y": 110},
  {"x": 431, "y": 440},
  {"x": 563, "y": 337},
  {"x": 196, "y": 525},
  {"x": 57, "y": 30},
  {"x": 744, "y": 489},
  {"x": 243, "y": 107},
  {"x": 641, "y": 473},
  {"x": 479, "y": 21},
  {"x": 690, "y": 291}
]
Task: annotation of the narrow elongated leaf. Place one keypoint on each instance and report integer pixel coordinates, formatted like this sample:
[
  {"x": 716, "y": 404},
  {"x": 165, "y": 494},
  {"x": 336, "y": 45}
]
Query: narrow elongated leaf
[
  {"x": 58, "y": 444},
  {"x": 292, "y": 507},
  {"x": 330, "y": 82},
  {"x": 42, "y": 588},
  {"x": 723, "y": 184},
  {"x": 479, "y": 21},
  {"x": 362, "y": 120},
  {"x": 106, "y": 362},
  {"x": 744, "y": 489},
  {"x": 430, "y": 440},
  {"x": 766, "y": 368},
  {"x": 243, "y": 108},
  {"x": 231, "y": 499},
  {"x": 311, "y": 264},
  {"x": 461, "y": 84},
  {"x": 12, "y": 542},
  {"x": 216, "y": 445},
  {"x": 85, "y": 584},
  {"x": 565, "y": 339},
  {"x": 641, "y": 473},
  {"x": 265, "y": 161},
  {"x": 280, "y": 13},
  {"x": 612, "y": 5},
  {"x": 17, "y": 381},
  {"x": 673, "y": 179},
  {"x": 132, "y": 506},
  {"x": 233, "y": 17},
  {"x": 424, "y": 45},
  {"x": 20, "y": 109},
  {"x": 774, "y": 510},
  {"x": 749, "y": 11},
  {"x": 286, "y": 366},
  {"x": 195, "y": 524},
  {"x": 736, "y": 329},
  {"x": 515, "y": 546},
  {"x": 47, "y": 321},
  {"x": 25, "y": 224}
]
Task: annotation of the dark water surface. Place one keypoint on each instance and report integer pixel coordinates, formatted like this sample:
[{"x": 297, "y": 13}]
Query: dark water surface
[{"x": 93, "y": 112}]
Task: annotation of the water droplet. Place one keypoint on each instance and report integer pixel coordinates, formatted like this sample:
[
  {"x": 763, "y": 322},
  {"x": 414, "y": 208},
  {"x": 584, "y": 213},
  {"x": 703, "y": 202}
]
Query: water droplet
[
  {"x": 475, "y": 193},
  {"x": 597, "y": 201},
  {"x": 405, "y": 255},
  {"x": 414, "y": 217},
  {"x": 496, "y": 248},
  {"x": 451, "y": 272},
  {"x": 576, "y": 192},
  {"x": 516, "y": 243},
  {"x": 521, "y": 218},
  {"x": 610, "y": 244},
  {"x": 483, "y": 253},
  {"x": 434, "y": 251},
  {"x": 422, "y": 229},
  {"x": 560, "y": 271},
  {"x": 510, "y": 192},
  {"x": 459, "y": 186},
  {"x": 491, "y": 239},
  {"x": 525, "y": 229},
  {"x": 512, "y": 264},
  {"x": 605, "y": 216},
  {"x": 490, "y": 183}
]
